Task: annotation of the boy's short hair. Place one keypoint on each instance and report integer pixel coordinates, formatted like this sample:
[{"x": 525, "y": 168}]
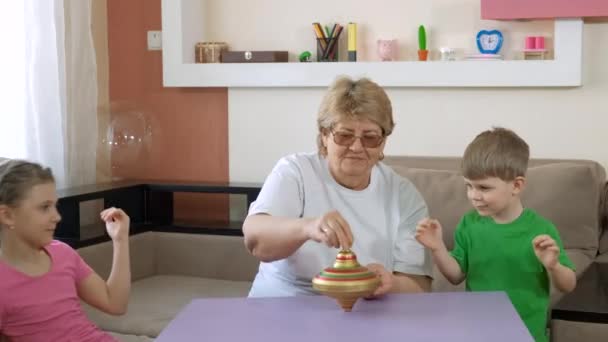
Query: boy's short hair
[{"x": 498, "y": 152}]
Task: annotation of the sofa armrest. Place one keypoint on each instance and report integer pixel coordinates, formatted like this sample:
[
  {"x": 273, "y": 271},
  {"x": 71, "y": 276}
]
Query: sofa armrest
[
  {"x": 603, "y": 258},
  {"x": 142, "y": 252},
  {"x": 206, "y": 256},
  {"x": 603, "y": 248}
]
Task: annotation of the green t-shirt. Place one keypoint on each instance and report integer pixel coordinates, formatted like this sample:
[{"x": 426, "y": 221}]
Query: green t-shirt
[{"x": 500, "y": 257}]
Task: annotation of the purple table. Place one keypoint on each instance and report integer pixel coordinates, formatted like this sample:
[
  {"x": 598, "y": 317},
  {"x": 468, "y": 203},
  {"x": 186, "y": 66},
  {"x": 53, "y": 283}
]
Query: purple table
[{"x": 449, "y": 316}]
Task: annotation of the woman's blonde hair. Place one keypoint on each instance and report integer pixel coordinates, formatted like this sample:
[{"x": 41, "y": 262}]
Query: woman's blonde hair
[
  {"x": 496, "y": 153},
  {"x": 17, "y": 177},
  {"x": 357, "y": 100}
]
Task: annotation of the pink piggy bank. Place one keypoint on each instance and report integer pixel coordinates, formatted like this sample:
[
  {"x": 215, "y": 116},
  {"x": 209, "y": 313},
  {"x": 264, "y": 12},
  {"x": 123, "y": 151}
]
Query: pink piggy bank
[{"x": 387, "y": 49}]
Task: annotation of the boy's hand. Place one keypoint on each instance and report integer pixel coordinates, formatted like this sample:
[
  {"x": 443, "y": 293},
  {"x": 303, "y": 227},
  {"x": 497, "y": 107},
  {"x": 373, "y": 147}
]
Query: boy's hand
[
  {"x": 429, "y": 234},
  {"x": 117, "y": 223},
  {"x": 546, "y": 251}
]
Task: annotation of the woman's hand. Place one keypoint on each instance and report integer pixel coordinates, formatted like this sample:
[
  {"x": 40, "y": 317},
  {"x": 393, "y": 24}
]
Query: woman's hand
[
  {"x": 386, "y": 279},
  {"x": 117, "y": 223},
  {"x": 330, "y": 229}
]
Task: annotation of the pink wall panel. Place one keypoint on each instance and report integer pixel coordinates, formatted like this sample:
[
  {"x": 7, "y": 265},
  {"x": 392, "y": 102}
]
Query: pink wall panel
[{"x": 537, "y": 9}]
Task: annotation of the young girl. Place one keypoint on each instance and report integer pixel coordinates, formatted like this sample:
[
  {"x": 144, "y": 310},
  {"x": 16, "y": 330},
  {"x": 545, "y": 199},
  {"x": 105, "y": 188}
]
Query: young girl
[{"x": 43, "y": 279}]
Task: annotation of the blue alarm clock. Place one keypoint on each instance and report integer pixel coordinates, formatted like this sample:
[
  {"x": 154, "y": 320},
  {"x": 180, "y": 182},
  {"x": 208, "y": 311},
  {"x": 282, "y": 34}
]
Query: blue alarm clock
[{"x": 489, "y": 42}]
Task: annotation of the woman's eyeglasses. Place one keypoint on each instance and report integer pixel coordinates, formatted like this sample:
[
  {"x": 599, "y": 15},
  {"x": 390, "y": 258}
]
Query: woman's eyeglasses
[{"x": 347, "y": 139}]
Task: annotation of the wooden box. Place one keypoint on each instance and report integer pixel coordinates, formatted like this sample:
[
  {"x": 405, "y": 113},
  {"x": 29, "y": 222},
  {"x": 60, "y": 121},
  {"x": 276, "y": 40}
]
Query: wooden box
[{"x": 254, "y": 56}]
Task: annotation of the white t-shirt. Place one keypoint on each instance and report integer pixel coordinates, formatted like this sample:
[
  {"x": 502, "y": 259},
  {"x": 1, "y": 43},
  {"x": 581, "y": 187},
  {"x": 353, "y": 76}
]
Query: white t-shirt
[{"x": 382, "y": 218}]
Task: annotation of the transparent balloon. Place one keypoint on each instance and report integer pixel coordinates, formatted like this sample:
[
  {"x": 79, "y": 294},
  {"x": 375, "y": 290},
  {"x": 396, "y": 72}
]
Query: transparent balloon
[{"x": 128, "y": 139}]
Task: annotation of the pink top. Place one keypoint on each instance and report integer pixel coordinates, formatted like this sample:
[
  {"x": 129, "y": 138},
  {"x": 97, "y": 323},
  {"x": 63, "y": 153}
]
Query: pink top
[{"x": 47, "y": 308}]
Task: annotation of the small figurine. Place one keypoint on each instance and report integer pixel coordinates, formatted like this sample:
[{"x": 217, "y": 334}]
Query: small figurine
[
  {"x": 305, "y": 56},
  {"x": 387, "y": 49},
  {"x": 535, "y": 48}
]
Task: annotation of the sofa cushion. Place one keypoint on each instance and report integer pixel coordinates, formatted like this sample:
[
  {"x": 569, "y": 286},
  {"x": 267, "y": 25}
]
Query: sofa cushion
[
  {"x": 445, "y": 196},
  {"x": 206, "y": 256},
  {"x": 156, "y": 300},
  {"x": 195, "y": 255},
  {"x": 568, "y": 195},
  {"x": 142, "y": 250}
]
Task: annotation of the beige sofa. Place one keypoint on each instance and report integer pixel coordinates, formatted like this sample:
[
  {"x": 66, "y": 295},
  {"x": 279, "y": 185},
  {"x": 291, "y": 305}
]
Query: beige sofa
[{"x": 170, "y": 269}]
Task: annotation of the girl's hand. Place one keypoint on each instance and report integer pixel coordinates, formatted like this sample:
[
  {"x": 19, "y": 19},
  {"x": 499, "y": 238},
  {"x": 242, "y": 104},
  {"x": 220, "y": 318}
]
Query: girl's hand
[{"x": 117, "y": 223}]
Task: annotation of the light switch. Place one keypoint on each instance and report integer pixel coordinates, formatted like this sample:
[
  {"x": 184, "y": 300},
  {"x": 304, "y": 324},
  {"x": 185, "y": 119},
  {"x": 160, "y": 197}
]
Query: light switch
[{"x": 155, "y": 41}]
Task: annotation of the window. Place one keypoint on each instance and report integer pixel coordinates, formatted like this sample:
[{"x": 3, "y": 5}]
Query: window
[{"x": 12, "y": 80}]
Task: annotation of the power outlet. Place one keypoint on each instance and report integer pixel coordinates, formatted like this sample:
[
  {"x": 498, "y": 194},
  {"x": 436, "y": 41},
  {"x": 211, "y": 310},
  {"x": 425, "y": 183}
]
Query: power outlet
[{"x": 155, "y": 41}]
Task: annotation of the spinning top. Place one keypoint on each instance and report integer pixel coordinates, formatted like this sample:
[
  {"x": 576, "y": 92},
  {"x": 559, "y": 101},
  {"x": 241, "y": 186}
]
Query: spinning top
[{"x": 346, "y": 281}]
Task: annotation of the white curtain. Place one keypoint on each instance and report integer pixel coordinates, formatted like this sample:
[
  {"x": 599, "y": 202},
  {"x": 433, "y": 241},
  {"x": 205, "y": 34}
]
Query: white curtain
[
  {"x": 51, "y": 87},
  {"x": 81, "y": 89}
]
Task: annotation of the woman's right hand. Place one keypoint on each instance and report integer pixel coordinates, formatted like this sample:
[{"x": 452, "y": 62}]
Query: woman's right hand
[
  {"x": 330, "y": 229},
  {"x": 429, "y": 234}
]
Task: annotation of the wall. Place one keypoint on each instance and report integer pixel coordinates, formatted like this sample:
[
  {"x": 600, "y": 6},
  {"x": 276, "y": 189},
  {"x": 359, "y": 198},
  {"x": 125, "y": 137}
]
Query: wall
[
  {"x": 187, "y": 127},
  {"x": 557, "y": 123},
  {"x": 190, "y": 126}
]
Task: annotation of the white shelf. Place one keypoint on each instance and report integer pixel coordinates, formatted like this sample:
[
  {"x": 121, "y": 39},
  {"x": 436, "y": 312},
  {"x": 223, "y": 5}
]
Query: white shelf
[{"x": 178, "y": 71}]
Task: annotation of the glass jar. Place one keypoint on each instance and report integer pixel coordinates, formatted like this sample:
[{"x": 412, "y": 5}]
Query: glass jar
[{"x": 447, "y": 54}]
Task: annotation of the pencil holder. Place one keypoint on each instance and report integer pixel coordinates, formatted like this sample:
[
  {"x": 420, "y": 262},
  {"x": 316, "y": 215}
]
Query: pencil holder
[{"x": 327, "y": 49}]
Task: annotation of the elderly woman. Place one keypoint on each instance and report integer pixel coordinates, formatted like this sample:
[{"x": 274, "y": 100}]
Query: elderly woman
[{"x": 342, "y": 196}]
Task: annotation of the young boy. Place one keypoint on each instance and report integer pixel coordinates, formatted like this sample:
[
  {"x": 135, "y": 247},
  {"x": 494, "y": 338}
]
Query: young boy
[{"x": 502, "y": 246}]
